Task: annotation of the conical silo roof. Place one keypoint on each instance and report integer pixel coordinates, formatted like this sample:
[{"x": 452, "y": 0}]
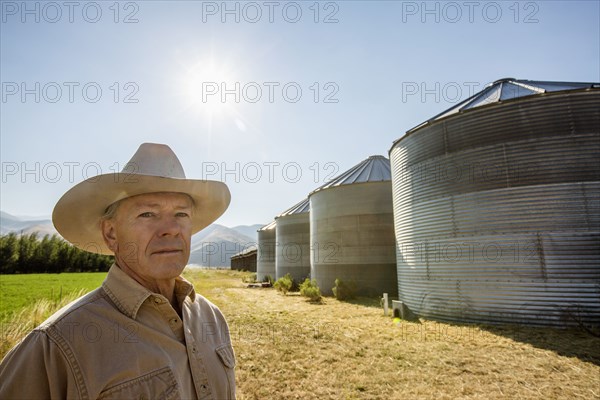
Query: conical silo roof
[
  {"x": 373, "y": 169},
  {"x": 267, "y": 227},
  {"x": 507, "y": 89},
  {"x": 298, "y": 208}
]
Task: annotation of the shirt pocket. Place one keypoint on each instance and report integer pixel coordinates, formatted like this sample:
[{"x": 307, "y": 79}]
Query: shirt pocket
[
  {"x": 160, "y": 384},
  {"x": 226, "y": 355}
]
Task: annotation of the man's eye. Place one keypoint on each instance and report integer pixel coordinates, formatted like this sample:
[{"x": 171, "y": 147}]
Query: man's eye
[
  {"x": 182, "y": 214},
  {"x": 146, "y": 214}
]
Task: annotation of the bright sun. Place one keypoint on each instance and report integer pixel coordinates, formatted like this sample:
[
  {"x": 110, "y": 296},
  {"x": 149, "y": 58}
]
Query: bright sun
[
  {"x": 206, "y": 85},
  {"x": 209, "y": 90}
]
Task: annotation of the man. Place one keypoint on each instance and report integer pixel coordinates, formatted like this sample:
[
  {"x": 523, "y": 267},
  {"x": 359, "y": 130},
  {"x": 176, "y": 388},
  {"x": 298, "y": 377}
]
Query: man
[{"x": 145, "y": 333}]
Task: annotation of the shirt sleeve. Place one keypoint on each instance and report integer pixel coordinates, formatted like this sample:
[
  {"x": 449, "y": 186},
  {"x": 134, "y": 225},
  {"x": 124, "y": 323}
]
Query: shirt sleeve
[{"x": 37, "y": 368}]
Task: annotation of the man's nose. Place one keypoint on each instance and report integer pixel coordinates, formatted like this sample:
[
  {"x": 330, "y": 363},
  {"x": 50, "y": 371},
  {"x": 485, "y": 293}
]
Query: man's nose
[{"x": 169, "y": 226}]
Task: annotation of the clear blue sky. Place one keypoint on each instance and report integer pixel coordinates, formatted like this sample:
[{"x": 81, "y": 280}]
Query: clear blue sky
[{"x": 386, "y": 65}]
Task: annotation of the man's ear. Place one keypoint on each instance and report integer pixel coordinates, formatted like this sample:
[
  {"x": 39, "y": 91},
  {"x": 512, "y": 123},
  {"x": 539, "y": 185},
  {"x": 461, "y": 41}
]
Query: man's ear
[{"x": 109, "y": 233}]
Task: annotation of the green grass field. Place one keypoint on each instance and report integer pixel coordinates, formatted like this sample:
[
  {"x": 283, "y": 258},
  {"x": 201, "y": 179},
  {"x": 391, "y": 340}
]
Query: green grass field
[{"x": 19, "y": 291}]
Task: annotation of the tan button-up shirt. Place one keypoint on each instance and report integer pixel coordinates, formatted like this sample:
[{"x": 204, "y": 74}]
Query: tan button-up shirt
[{"x": 122, "y": 341}]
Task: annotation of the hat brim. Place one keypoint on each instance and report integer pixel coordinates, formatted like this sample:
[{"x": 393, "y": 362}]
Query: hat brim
[{"x": 77, "y": 214}]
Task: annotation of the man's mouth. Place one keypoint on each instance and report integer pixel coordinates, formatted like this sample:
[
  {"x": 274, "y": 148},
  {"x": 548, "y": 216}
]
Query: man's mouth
[{"x": 167, "y": 251}]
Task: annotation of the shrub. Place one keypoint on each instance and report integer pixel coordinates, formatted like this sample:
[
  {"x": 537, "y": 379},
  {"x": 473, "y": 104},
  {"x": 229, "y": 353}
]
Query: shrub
[
  {"x": 311, "y": 290},
  {"x": 284, "y": 284},
  {"x": 249, "y": 277},
  {"x": 344, "y": 290},
  {"x": 268, "y": 278}
]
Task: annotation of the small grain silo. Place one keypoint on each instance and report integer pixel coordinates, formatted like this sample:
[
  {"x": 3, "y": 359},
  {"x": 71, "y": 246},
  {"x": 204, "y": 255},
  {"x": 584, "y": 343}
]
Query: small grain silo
[
  {"x": 245, "y": 260},
  {"x": 352, "y": 230},
  {"x": 497, "y": 207},
  {"x": 265, "y": 259},
  {"x": 292, "y": 235}
]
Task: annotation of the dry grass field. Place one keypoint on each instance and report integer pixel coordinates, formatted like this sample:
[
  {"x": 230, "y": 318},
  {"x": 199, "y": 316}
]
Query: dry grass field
[{"x": 288, "y": 348}]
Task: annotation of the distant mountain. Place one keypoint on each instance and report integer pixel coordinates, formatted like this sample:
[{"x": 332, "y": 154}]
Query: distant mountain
[
  {"x": 10, "y": 223},
  {"x": 249, "y": 230},
  {"x": 214, "y": 246}
]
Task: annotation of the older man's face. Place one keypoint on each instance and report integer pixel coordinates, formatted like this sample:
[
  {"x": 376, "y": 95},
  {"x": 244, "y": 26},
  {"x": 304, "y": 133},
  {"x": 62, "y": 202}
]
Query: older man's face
[{"x": 151, "y": 235}]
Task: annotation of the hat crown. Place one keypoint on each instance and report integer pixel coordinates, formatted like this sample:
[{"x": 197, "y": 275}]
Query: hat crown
[{"x": 155, "y": 159}]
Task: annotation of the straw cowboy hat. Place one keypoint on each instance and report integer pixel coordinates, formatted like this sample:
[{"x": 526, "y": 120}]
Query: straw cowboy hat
[{"x": 153, "y": 168}]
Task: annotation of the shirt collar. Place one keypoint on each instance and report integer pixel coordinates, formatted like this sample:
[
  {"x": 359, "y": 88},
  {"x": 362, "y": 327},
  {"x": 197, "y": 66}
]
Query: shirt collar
[
  {"x": 128, "y": 295},
  {"x": 183, "y": 289}
]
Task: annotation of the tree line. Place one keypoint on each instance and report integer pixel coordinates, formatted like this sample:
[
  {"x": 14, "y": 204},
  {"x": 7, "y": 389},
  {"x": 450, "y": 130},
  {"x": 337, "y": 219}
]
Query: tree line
[{"x": 25, "y": 254}]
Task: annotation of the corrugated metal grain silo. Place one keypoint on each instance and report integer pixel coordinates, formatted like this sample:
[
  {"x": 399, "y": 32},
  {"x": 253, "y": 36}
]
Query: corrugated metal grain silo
[
  {"x": 352, "y": 230},
  {"x": 265, "y": 259},
  {"x": 497, "y": 207},
  {"x": 292, "y": 235}
]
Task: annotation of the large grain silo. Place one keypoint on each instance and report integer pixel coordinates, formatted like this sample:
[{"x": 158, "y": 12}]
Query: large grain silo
[
  {"x": 496, "y": 207},
  {"x": 265, "y": 259},
  {"x": 352, "y": 230},
  {"x": 292, "y": 253}
]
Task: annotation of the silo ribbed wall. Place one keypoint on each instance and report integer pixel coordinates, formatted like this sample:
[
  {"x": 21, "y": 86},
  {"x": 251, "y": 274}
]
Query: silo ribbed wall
[
  {"x": 265, "y": 260},
  {"x": 497, "y": 213},
  {"x": 292, "y": 253},
  {"x": 352, "y": 238}
]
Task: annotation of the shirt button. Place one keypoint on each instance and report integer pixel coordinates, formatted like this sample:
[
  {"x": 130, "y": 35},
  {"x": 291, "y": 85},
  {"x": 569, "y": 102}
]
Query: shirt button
[
  {"x": 157, "y": 300},
  {"x": 173, "y": 321}
]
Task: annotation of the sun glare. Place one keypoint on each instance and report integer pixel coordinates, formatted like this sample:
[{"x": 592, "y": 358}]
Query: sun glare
[
  {"x": 209, "y": 92},
  {"x": 206, "y": 85}
]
